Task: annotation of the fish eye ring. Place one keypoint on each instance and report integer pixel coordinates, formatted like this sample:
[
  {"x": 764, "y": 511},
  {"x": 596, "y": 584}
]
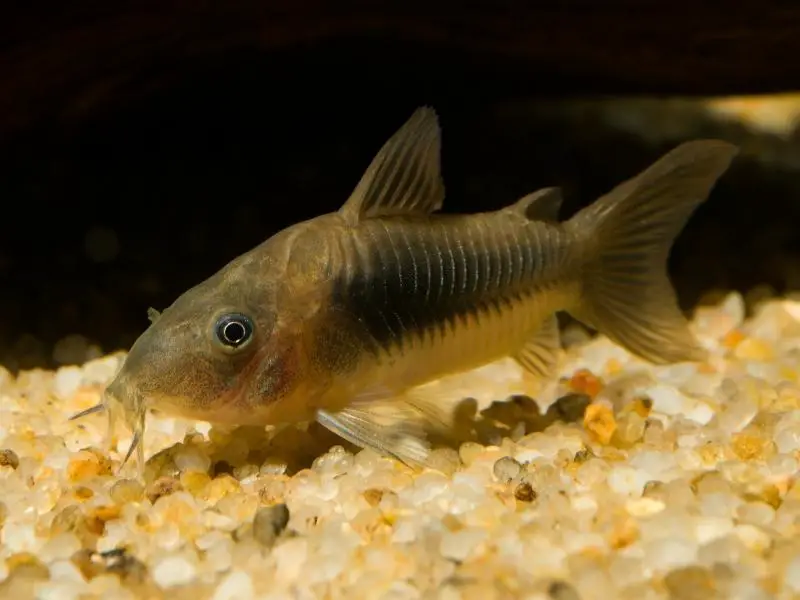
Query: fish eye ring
[{"x": 233, "y": 330}]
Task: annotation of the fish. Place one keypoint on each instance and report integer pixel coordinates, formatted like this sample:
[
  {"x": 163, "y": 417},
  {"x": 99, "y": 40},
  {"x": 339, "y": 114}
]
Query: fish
[{"x": 343, "y": 318}]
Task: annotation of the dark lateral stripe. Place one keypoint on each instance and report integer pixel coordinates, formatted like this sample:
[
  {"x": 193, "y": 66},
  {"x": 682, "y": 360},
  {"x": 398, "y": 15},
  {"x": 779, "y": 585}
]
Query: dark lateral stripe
[{"x": 422, "y": 280}]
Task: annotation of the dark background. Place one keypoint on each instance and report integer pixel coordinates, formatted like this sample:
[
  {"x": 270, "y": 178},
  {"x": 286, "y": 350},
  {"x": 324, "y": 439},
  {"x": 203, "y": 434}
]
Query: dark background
[{"x": 143, "y": 145}]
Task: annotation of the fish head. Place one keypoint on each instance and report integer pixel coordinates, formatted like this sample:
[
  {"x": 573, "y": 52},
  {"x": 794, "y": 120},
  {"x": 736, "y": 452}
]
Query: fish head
[
  {"x": 229, "y": 350},
  {"x": 198, "y": 358}
]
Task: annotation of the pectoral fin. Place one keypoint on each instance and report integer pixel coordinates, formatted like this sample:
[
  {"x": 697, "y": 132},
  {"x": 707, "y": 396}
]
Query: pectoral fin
[{"x": 392, "y": 430}]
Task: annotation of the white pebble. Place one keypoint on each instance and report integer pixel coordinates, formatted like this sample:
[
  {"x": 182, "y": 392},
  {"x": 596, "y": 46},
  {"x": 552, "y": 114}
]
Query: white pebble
[
  {"x": 788, "y": 440},
  {"x": 737, "y": 414},
  {"x": 644, "y": 507},
  {"x": 791, "y": 577},
  {"x": 699, "y": 412},
  {"x": 60, "y": 547},
  {"x": 734, "y": 307},
  {"x": 669, "y": 553},
  {"x": 237, "y": 585},
  {"x": 405, "y": 531},
  {"x": 101, "y": 370},
  {"x": 458, "y": 545},
  {"x": 793, "y": 308},
  {"x": 653, "y": 464},
  {"x": 192, "y": 459},
  {"x": 290, "y": 559},
  {"x": 627, "y": 481},
  {"x": 666, "y": 399},
  {"x": 60, "y": 590},
  {"x": 66, "y": 381},
  {"x": 65, "y": 570},
  {"x": 584, "y": 503},
  {"x": 20, "y": 537},
  {"x": 174, "y": 571},
  {"x": 709, "y": 529},
  {"x": 754, "y": 538}
]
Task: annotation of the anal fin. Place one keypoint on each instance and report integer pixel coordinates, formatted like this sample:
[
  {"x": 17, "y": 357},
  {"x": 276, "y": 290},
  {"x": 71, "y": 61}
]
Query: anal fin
[{"x": 541, "y": 353}]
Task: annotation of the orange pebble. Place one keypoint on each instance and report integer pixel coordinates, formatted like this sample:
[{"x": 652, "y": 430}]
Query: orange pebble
[
  {"x": 624, "y": 534},
  {"x": 599, "y": 421},
  {"x": 584, "y": 381},
  {"x": 642, "y": 407},
  {"x": 732, "y": 338},
  {"x": 83, "y": 466}
]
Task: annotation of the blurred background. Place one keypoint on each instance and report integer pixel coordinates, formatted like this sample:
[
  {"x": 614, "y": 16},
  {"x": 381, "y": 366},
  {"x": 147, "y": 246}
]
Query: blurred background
[{"x": 143, "y": 145}]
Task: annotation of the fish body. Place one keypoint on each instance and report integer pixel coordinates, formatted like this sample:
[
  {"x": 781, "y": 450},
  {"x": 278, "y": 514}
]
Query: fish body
[{"x": 343, "y": 317}]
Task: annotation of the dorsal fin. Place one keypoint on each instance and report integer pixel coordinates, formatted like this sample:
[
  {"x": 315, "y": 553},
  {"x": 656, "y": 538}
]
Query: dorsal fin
[
  {"x": 405, "y": 175},
  {"x": 541, "y": 205}
]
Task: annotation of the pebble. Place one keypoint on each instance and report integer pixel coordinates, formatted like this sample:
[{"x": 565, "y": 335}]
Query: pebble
[
  {"x": 561, "y": 590},
  {"x": 66, "y": 382},
  {"x": 459, "y": 545},
  {"x": 627, "y": 480},
  {"x": 269, "y": 522},
  {"x": 9, "y": 458},
  {"x": 506, "y": 469},
  {"x": 599, "y": 421},
  {"x": 237, "y": 585},
  {"x": 525, "y": 493},
  {"x": 638, "y": 481},
  {"x": 667, "y": 400},
  {"x": 192, "y": 459},
  {"x": 174, "y": 571}
]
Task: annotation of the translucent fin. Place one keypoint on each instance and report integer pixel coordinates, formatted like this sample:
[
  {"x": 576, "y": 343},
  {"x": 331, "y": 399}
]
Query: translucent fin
[
  {"x": 428, "y": 402},
  {"x": 627, "y": 235},
  {"x": 368, "y": 429},
  {"x": 540, "y": 355},
  {"x": 405, "y": 175},
  {"x": 541, "y": 205},
  {"x": 153, "y": 314}
]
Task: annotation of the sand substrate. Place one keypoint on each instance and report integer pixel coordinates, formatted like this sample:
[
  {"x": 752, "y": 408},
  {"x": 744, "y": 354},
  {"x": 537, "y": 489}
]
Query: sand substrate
[{"x": 634, "y": 482}]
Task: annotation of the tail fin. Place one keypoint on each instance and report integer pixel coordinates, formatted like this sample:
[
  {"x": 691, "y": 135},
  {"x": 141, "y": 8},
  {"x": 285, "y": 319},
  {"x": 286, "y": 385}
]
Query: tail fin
[{"x": 628, "y": 233}]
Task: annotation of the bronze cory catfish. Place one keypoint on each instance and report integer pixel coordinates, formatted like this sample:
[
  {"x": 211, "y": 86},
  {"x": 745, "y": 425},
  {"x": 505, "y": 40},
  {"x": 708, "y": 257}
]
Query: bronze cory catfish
[{"x": 341, "y": 317}]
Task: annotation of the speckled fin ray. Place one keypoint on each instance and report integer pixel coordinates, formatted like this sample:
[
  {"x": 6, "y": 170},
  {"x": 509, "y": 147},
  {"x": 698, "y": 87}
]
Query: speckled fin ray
[
  {"x": 405, "y": 175},
  {"x": 627, "y": 235},
  {"x": 382, "y": 427},
  {"x": 540, "y": 355},
  {"x": 541, "y": 205}
]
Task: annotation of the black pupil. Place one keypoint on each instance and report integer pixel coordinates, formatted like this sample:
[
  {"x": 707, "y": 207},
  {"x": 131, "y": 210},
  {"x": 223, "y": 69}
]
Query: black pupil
[{"x": 234, "y": 331}]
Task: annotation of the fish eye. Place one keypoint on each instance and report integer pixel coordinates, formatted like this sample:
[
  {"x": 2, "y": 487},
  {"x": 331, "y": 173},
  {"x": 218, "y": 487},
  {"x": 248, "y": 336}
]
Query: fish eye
[{"x": 233, "y": 330}]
